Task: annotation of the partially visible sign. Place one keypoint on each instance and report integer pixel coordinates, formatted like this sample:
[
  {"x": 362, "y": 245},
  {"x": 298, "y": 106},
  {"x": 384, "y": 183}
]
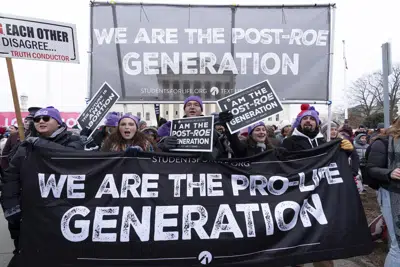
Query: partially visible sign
[
  {"x": 194, "y": 134},
  {"x": 37, "y": 39},
  {"x": 98, "y": 107},
  {"x": 9, "y": 118},
  {"x": 251, "y": 105}
]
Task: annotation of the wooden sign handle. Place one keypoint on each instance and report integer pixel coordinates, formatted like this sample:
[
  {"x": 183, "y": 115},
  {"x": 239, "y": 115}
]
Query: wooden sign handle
[{"x": 15, "y": 99}]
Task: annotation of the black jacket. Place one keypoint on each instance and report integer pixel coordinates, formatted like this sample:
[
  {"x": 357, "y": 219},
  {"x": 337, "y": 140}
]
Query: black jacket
[
  {"x": 10, "y": 198},
  {"x": 246, "y": 148},
  {"x": 377, "y": 165},
  {"x": 299, "y": 141}
]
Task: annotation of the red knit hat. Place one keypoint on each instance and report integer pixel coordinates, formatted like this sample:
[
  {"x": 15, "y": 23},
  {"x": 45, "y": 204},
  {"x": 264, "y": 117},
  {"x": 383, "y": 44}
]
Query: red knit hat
[{"x": 304, "y": 108}]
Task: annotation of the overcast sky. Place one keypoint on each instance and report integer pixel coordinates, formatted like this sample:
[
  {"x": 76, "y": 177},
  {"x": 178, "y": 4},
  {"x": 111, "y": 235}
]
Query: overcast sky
[{"x": 364, "y": 26}]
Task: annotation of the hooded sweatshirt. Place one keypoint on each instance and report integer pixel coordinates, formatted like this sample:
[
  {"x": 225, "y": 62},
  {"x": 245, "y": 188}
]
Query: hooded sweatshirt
[
  {"x": 359, "y": 146},
  {"x": 299, "y": 141}
]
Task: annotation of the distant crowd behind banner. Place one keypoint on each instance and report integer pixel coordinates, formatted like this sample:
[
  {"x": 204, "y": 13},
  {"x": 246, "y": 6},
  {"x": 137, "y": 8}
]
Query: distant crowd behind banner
[
  {"x": 105, "y": 209},
  {"x": 148, "y": 56}
]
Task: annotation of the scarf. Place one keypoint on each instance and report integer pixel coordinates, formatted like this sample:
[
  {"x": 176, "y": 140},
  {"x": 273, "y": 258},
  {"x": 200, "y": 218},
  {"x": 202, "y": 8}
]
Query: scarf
[{"x": 393, "y": 160}]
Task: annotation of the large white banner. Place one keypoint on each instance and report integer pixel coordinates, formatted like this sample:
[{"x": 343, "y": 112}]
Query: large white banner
[{"x": 37, "y": 39}]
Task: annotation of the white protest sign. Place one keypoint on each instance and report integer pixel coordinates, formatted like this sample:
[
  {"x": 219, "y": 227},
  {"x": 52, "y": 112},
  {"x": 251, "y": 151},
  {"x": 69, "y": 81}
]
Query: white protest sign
[{"x": 37, "y": 39}]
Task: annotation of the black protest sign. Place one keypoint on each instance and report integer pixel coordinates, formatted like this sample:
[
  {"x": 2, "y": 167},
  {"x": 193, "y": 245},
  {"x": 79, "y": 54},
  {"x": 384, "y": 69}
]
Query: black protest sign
[
  {"x": 194, "y": 134},
  {"x": 105, "y": 209},
  {"x": 98, "y": 107},
  {"x": 251, "y": 105}
]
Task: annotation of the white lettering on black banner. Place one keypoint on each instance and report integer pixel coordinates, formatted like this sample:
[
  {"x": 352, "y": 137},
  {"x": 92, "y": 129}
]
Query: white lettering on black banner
[
  {"x": 194, "y": 134},
  {"x": 251, "y": 105}
]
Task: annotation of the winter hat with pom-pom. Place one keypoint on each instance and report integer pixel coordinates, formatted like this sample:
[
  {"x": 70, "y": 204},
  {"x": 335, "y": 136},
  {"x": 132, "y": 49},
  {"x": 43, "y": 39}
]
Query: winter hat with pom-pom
[{"x": 303, "y": 108}]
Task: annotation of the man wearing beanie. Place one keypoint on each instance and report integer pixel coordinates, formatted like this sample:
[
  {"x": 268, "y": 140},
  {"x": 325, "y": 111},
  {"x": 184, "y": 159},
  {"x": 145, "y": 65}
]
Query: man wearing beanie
[
  {"x": 51, "y": 132},
  {"x": 193, "y": 107},
  {"x": 306, "y": 135}
]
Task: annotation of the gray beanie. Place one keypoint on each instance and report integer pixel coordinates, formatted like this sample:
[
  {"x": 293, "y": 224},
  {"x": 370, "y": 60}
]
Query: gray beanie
[{"x": 324, "y": 128}]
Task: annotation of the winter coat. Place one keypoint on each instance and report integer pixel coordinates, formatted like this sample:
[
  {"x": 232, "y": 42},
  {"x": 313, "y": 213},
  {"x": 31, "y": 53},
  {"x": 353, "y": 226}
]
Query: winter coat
[
  {"x": 359, "y": 147},
  {"x": 246, "y": 148},
  {"x": 299, "y": 141},
  {"x": 12, "y": 179},
  {"x": 377, "y": 165}
]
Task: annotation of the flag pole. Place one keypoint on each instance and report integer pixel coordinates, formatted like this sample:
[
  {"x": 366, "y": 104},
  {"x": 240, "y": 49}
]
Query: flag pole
[
  {"x": 14, "y": 92},
  {"x": 346, "y": 103}
]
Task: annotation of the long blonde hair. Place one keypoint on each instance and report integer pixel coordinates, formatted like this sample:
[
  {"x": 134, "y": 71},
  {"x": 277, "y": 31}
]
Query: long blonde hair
[{"x": 394, "y": 130}]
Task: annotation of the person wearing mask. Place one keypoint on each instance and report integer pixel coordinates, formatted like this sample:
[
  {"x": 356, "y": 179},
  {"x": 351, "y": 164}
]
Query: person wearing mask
[
  {"x": 383, "y": 166},
  {"x": 97, "y": 139},
  {"x": 49, "y": 131},
  {"x": 193, "y": 107},
  {"x": 224, "y": 146},
  {"x": 271, "y": 139},
  {"x": 127, "y": 137}
]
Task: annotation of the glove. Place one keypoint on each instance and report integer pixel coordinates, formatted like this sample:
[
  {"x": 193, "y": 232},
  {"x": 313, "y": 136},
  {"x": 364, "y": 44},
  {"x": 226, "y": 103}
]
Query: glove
[
  {"x": 13, "y": 215},
  {"x": 30, "y": 141},
  {"x": 170, "y": 142},
  {"x": 225, "y": 116},
  {"x": 86, "y": 132},
  {"x": 346, "y": 145},
  {"x": 134, "y": 149}
]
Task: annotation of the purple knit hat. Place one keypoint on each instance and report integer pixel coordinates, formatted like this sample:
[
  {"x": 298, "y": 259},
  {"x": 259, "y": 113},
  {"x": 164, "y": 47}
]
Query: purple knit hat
[
  {"x": 134, "y": 118},
  {"x": 112, "y": 119},
  {"x": 193, "y": 98},
  {"x": 165, "y": 129},
  {"x": 251, "y": 128},
  {"x": 51, "y": 112},
  {"x": 310, "y": 112}
]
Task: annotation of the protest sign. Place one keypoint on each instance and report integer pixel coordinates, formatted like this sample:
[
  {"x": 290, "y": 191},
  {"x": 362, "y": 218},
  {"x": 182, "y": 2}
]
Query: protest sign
[
  {"x": 194, "y": 134},
  {"x": 106, "y": 209},
  {"x": 98, "y": 107},
  {"x": 150, "y": 57},
  {"x": 10, "y": 118},
  {"x": 250, "y": 105},
  {"x": 38, "y": 39}
]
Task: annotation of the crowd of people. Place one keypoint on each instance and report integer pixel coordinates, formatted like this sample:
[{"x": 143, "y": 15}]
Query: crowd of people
[{"x": 127, "y": 133}]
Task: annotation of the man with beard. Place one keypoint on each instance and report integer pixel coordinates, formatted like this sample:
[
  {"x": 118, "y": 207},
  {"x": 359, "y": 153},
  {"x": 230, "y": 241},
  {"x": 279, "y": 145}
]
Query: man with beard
[{"x": 306, "y": 135}]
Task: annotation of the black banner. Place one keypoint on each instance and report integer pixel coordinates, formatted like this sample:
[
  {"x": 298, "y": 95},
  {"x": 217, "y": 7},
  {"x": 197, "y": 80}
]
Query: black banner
[
  {"x": 106, "y": 209},
  {"x": 194, "y": 134},
  {"x": 98, "y": 107},
  {"x": 251, "y": 105}
]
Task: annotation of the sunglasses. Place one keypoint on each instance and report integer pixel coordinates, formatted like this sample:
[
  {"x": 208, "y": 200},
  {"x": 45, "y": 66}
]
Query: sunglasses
[{"x": 44, "y": 118}]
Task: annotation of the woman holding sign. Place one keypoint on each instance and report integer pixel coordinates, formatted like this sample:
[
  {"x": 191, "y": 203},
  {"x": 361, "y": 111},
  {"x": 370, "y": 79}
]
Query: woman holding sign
[
  {"x": 127, "y": 137},
  {"x": 256, "y": 143}
]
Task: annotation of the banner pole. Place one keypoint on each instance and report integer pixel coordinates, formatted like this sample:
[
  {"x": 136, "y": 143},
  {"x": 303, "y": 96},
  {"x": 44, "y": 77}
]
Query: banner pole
[
  {"x": 15, "y": 99},
  {"x": 330, "y": 81}
]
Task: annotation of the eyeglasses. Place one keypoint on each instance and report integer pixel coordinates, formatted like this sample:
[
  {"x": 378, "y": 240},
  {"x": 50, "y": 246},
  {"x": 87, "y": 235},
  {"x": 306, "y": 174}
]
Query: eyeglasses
[{"x": 44, "y": 118}]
